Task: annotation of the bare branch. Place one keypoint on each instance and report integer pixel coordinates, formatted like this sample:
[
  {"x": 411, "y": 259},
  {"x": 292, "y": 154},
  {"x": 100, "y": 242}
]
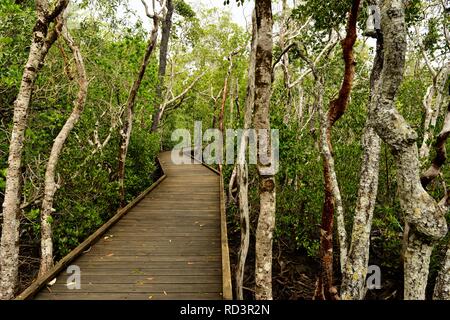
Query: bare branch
[
  {"x": 147, "y": 11},
  {"x": 185, "y": 90}
]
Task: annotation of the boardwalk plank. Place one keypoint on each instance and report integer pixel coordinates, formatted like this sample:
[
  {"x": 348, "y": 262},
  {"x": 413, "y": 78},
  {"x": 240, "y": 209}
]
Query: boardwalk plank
[{"x": 167, "y": 247}]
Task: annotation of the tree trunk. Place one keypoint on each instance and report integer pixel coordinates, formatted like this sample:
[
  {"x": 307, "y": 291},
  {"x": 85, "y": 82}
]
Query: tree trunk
[
  {"x": 125, "y": 133},
  {"x": 163, "y": 50},
  {"x": 355, "y": 271},
  {"x": 50, "y": 183},
  {"x": 242, "y": 169},
  {"x": 224, "y": 95},
  {"x": 442, "y": 287},
  {"x": 433, "y": 108},
  {"x": 261, "y": 120},
  {"x": 333, "y": 200},
  {"x": 41, "y": 42},
  {"x": 424, "y": 216},
  {"x": 285, "y": 57}
]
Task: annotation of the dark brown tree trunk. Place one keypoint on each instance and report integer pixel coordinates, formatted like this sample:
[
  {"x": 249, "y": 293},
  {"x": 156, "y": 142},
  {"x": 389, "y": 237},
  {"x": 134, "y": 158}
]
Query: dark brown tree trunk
[{"x": 325, "y": 289}]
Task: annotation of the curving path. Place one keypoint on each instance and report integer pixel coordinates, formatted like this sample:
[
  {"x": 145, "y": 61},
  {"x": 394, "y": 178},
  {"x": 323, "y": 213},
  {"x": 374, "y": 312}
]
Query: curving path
[{"x": 168, "y": 246}]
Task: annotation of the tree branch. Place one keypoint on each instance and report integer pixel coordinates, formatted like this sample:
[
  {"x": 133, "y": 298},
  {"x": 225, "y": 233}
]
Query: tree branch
[
  {"x": 185, "y": 91},
  {"x": 441, "y": 153}
]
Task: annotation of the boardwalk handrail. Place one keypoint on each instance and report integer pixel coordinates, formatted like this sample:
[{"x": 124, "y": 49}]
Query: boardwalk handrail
[
  {"x": 227, "y": 292},
  {"x": 40, "y": 282}
]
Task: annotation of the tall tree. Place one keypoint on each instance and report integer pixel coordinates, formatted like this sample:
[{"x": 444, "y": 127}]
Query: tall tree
[
  {"x": 355, "y": 270},
  {"x": 50, "y": 186},
  {"x": 423, "y": 214},
  {"x": 41, "y": 42},
  {"x": 125, "y": 133},
  {"x": 242, "y": 169},
  {"x": 163, "y": 52},
  {"x": 261, "y": 122},
  {"x": 332, "y": 201}
]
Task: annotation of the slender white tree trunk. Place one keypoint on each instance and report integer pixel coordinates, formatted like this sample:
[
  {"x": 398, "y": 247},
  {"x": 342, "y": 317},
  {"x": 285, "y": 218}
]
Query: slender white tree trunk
[
  {"x": 432, "y": 103},
  {"x": 9, "y": 250},
  {"x": 242, "y": 170},
  {"x": 427, "y": 105},
  {"x": 355, "y": 271},
  {"x": 50, "y": 186}
]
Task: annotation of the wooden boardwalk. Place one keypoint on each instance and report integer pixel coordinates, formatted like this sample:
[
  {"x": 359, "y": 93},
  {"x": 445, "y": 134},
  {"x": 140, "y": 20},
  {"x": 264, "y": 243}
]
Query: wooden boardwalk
[{"x": 168, "y": 246}]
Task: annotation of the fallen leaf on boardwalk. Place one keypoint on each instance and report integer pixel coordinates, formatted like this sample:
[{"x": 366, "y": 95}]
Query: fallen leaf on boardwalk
[
  {"x": 150, "y": 279},
  {"x": 190, "y": 263},
  {"x": 110, "y": 254},
  {"x": 137, "y": 271},
  {"x": 170, "y": 241},
  {"x": 202, "y": 225},
  {"x": 165, "y": 293},
  {"x": 52, "y": 282},
  {"x": 196, "y": 222},
  {"x": 150, "y": 297}
]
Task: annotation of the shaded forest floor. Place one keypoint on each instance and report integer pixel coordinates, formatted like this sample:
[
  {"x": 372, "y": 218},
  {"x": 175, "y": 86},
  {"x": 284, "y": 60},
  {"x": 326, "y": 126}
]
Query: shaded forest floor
[{"x": 295, "y": 273}]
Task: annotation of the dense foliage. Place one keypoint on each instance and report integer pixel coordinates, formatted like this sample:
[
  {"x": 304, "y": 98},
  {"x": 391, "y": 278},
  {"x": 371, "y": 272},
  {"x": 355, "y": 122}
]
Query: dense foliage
[{"x": 112, "y": 42}]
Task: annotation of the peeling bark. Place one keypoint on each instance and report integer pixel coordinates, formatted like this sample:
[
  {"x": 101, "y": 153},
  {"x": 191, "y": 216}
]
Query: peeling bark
[
  {"x": 424, "y": 216},
  {"x": 261, "y": 120},
  {"x": 242, "y": 169},
  {"x": 51, "y": 186},
  {"x": 332, "y": 201},
  {"x": 42, "y": 40}
]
